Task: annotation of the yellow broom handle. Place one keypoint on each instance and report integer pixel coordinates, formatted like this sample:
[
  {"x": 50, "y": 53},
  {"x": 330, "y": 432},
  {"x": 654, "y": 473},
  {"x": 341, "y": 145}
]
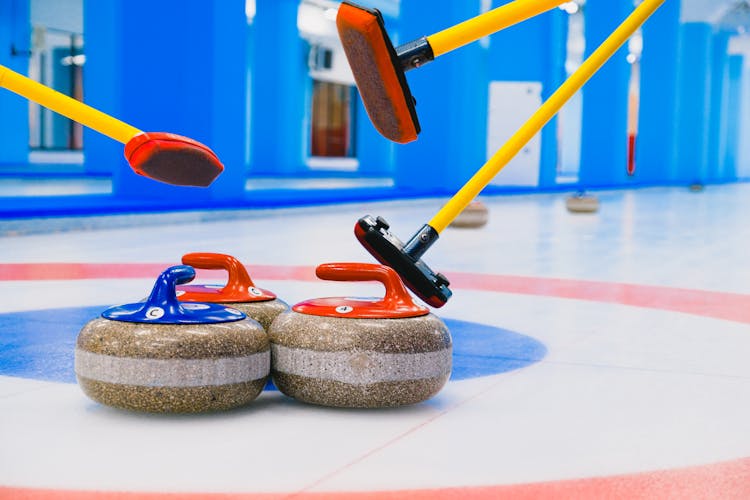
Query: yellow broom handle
[
  {"x": 488, "y": 23},
  {"x": 67, "y": 106},
  {"x": 544, "y": 114}
]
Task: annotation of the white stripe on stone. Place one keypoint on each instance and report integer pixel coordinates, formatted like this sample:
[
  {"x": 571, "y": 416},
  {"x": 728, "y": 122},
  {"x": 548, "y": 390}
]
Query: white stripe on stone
[
  {"x": 361, "y": 367},
  {"x": 172, "y": 372}
]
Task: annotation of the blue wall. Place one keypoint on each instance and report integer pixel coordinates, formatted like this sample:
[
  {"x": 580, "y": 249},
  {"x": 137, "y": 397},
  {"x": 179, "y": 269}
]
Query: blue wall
[
  {"x": 280, "y": 90},
  {"x": 451, "y": 96},
  {"x": 655, "y": 147},
  {"x": 199, "y": 69},
  {"x": 15, "y": 38},
  {"x": 717, "y": 145},
  {"x": 534, "y": 51},
  {"x": 179, "y": 69},
  {"x": 605, "y": 102},
  {"x": 732, "y": 106},
  {"x": 694, "y": 102}
]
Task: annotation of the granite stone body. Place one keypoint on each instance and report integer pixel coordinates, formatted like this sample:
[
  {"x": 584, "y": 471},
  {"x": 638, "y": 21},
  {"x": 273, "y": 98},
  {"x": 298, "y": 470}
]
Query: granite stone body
[
  {"x": 172, "y": 368},
  {"x": 360, "y": 362},
  {"x": 582, "y": 203},
  {"x": 263, "y": 312},
  {"x": 475, "y": 215}
]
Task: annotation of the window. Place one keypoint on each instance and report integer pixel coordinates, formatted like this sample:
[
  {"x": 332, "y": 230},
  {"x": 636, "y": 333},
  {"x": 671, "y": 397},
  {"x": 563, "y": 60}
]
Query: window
[
  {"x": 332, "y": 120},
  {"x": 321, "y": 58},
  {"x": 56, "y": 61}
]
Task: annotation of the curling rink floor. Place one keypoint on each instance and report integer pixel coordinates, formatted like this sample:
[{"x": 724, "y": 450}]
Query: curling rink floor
[{"x": 595, "y": 356}]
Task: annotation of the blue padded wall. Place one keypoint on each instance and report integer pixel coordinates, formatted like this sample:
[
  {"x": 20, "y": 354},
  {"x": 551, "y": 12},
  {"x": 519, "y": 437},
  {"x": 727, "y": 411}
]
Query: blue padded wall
[
  {"x": 534, "y": 51},
  {"x": 15, "y": 40},
  {"x": 279, "y": 90},
  {"x": 717, "y": 146},
  {"x": 374, "y": 153},
  {"x": 656, "y": 143},
  {"x": 197, "y": 68},
  {"x": 102, "y": 79},
  {"x": 451, "y": 95},
  {"x": 733, "y": 109},
  {"x": 229, "y": 94},
  {"x": 605, "y": 102},
  {"x": 175, "y": 66},
  {"x": 694, "y": 103}
]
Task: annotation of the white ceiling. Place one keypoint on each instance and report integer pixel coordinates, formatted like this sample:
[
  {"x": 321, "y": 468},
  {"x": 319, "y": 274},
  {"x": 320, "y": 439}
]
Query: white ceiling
[
  {"x": 66, "y": 15},
  {"x": 706, "y": 10}
]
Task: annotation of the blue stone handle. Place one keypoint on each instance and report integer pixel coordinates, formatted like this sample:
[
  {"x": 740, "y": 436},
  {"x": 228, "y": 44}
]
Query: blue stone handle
[
  {"x": 162, "y": 306},
  {"x": 164, "y": 293}
]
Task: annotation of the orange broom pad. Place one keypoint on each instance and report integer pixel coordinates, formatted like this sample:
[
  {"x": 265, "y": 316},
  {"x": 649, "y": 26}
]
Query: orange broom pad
[{"x": 378, "y": 73}]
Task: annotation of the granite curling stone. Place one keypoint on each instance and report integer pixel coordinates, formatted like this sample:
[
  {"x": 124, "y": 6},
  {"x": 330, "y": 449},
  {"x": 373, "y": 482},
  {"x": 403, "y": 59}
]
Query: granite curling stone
[
  {"x": 165, "y": 356},
  {"x": 240, "y": 292},
  {"x": 475, "y": 215},
  {"x": 360, "y": 353},
  {"x": 582, "y": 203}
]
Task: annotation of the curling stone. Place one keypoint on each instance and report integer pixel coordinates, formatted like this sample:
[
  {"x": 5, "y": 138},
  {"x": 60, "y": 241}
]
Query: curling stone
[
  {"x": 162, "y": 355},
  {"x": 240, "y": 292},
  {"x": 475, "y": 215},
  {"x": 582, "y": 203},
  {"x": 360, "y": 353}
]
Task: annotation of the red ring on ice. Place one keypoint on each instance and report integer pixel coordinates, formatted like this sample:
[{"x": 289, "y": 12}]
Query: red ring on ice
[{"x": 729, "y": 479}]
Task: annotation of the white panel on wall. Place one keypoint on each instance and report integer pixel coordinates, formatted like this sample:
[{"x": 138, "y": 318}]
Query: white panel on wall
[{"x": 510, "y": 105}]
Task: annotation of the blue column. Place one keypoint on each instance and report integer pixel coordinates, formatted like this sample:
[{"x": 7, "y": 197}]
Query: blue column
[
  {"x": 539, "y": 57},
  {"x": 733, "y": 117},
  {"x": 557, "y": 45},
  {"x": 102, "y": 77},
  {"x": 451, "y": 95},
  {"x": 281, "y": 91},
  {"x": 605, "y": 102},
  {"x": 718, "y": 107},
  {"x": 694, "y": 103},
  {"x": 179, "y": 69},
  {"x": 374, "y": 153},
  {"x": 15, "y": 38},
  {"x": 655, "y": 147},
  {"x": 229, "y": 94}
]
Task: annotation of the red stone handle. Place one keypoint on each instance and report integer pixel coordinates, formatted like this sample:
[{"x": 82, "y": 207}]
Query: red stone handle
[
  {"x": 396, "y": 295},
  {"x": 238, "y": 281}
]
